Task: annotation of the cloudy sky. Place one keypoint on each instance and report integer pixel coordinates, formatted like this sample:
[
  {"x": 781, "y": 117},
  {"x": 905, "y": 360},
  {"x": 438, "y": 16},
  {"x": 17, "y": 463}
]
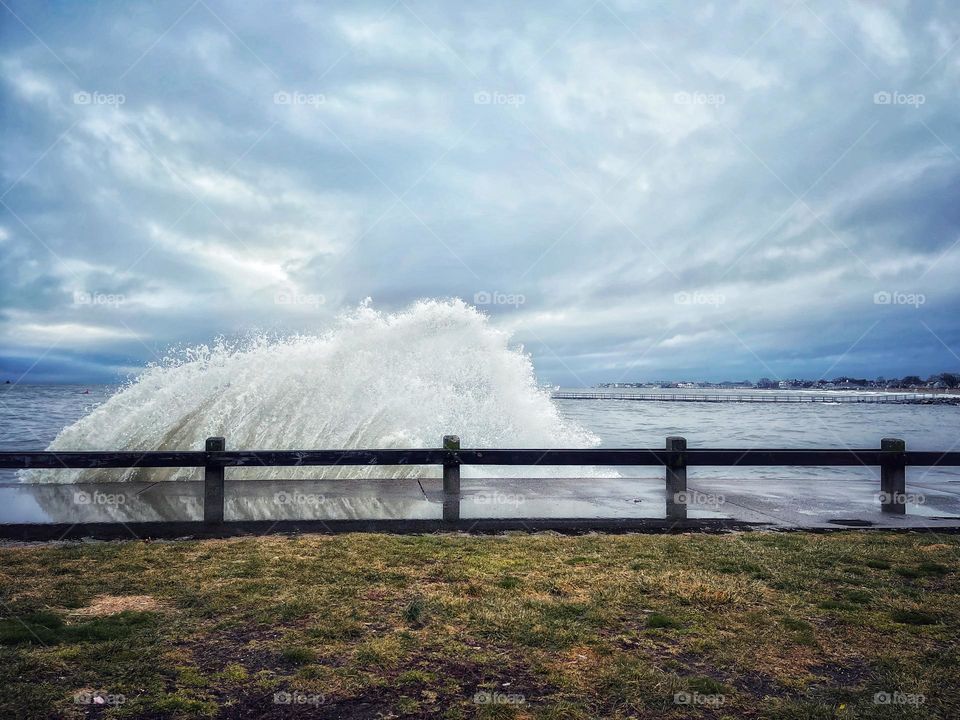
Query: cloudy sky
[{"x": 635, "y": 190}]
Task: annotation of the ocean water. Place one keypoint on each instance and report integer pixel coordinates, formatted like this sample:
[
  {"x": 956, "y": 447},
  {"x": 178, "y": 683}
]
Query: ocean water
[
  {"x": 622, "y": 423},
  {"x": 32, "y": 416}
]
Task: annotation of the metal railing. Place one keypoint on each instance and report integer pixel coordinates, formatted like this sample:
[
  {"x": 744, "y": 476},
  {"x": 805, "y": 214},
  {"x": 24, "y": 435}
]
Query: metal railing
[{"x": 891, "y": 457}]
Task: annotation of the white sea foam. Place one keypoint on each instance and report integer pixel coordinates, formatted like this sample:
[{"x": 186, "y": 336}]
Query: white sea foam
[{"x": 374, "y": 380}]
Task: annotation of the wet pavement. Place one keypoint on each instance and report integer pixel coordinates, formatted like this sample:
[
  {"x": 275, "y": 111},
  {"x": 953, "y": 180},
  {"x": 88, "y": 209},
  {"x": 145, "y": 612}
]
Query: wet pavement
[{"x": 813, "y": 503}]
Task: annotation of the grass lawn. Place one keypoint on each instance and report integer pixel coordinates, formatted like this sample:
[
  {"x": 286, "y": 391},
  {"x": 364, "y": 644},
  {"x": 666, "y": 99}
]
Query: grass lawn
[{"x": 772, "y": 625}]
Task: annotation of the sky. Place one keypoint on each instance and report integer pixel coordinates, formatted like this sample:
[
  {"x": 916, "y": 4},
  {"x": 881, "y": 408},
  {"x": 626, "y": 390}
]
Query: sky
[{"x": 634, "y": 190}]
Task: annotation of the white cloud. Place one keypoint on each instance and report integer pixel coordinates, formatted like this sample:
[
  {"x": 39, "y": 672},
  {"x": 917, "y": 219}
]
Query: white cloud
[
  {"x": 66, "y": 334},
  {"x": 746, "y": 72},
  {"x": 617, "y": 94},
  {"x": 882, "y": 34}
]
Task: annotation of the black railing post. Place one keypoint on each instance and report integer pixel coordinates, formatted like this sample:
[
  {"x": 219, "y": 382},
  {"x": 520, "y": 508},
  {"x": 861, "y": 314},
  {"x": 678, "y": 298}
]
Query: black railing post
[
  {"x": 213, "y": 483},
  {"x": 676, "y": 473},
  {"x": 451, "y": 481},
  {"x": 893, "y": 476}
]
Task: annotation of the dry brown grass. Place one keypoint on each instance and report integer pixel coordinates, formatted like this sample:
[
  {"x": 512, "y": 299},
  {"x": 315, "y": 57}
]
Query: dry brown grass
[
  {"x": 111, "y": 604},
  {"x": 780, "y": 625}
]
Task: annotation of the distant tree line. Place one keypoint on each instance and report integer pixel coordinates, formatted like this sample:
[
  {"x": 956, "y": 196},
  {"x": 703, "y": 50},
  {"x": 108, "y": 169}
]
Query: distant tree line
[
  {"x": 941, "y": 380},
  {"x": 950, "y": 380}
]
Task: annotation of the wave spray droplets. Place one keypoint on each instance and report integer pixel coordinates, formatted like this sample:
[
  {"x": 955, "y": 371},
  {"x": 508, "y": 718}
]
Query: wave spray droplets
[{"x": 375, "y": 380}]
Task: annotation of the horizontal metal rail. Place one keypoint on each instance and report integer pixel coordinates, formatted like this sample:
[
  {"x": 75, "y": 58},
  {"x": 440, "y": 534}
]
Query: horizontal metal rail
[{"x": 718, "y": 457}]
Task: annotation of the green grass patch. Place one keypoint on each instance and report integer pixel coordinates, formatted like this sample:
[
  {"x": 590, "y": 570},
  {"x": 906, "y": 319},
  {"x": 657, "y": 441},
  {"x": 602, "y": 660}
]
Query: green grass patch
[
  {"x": 706, "y": 686},
  {"x": 298, "y": 655},
  {"x": 415, "y": 613},
  {"x": 909, "y": 572},
  {"x": 914, "y": 617},
  {"x": 293, "y": 610},
  {"x": 800, "y": 630},
  {"x": 659, "y": 620},
  {"x": 46, "y": 628},
  {"x": 932, "y": 568},
  {"x": 861, "y": 597}
]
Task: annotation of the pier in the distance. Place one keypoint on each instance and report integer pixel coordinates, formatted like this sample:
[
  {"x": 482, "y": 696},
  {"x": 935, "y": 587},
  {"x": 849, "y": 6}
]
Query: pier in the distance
[{"x": 755, "y": 397}]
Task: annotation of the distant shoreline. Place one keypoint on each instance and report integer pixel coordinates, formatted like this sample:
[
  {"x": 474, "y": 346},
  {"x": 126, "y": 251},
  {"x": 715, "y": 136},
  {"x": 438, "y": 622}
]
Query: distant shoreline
[
  {"x": 793, "y": 396},
  {"x": 700, "y": 387}
]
